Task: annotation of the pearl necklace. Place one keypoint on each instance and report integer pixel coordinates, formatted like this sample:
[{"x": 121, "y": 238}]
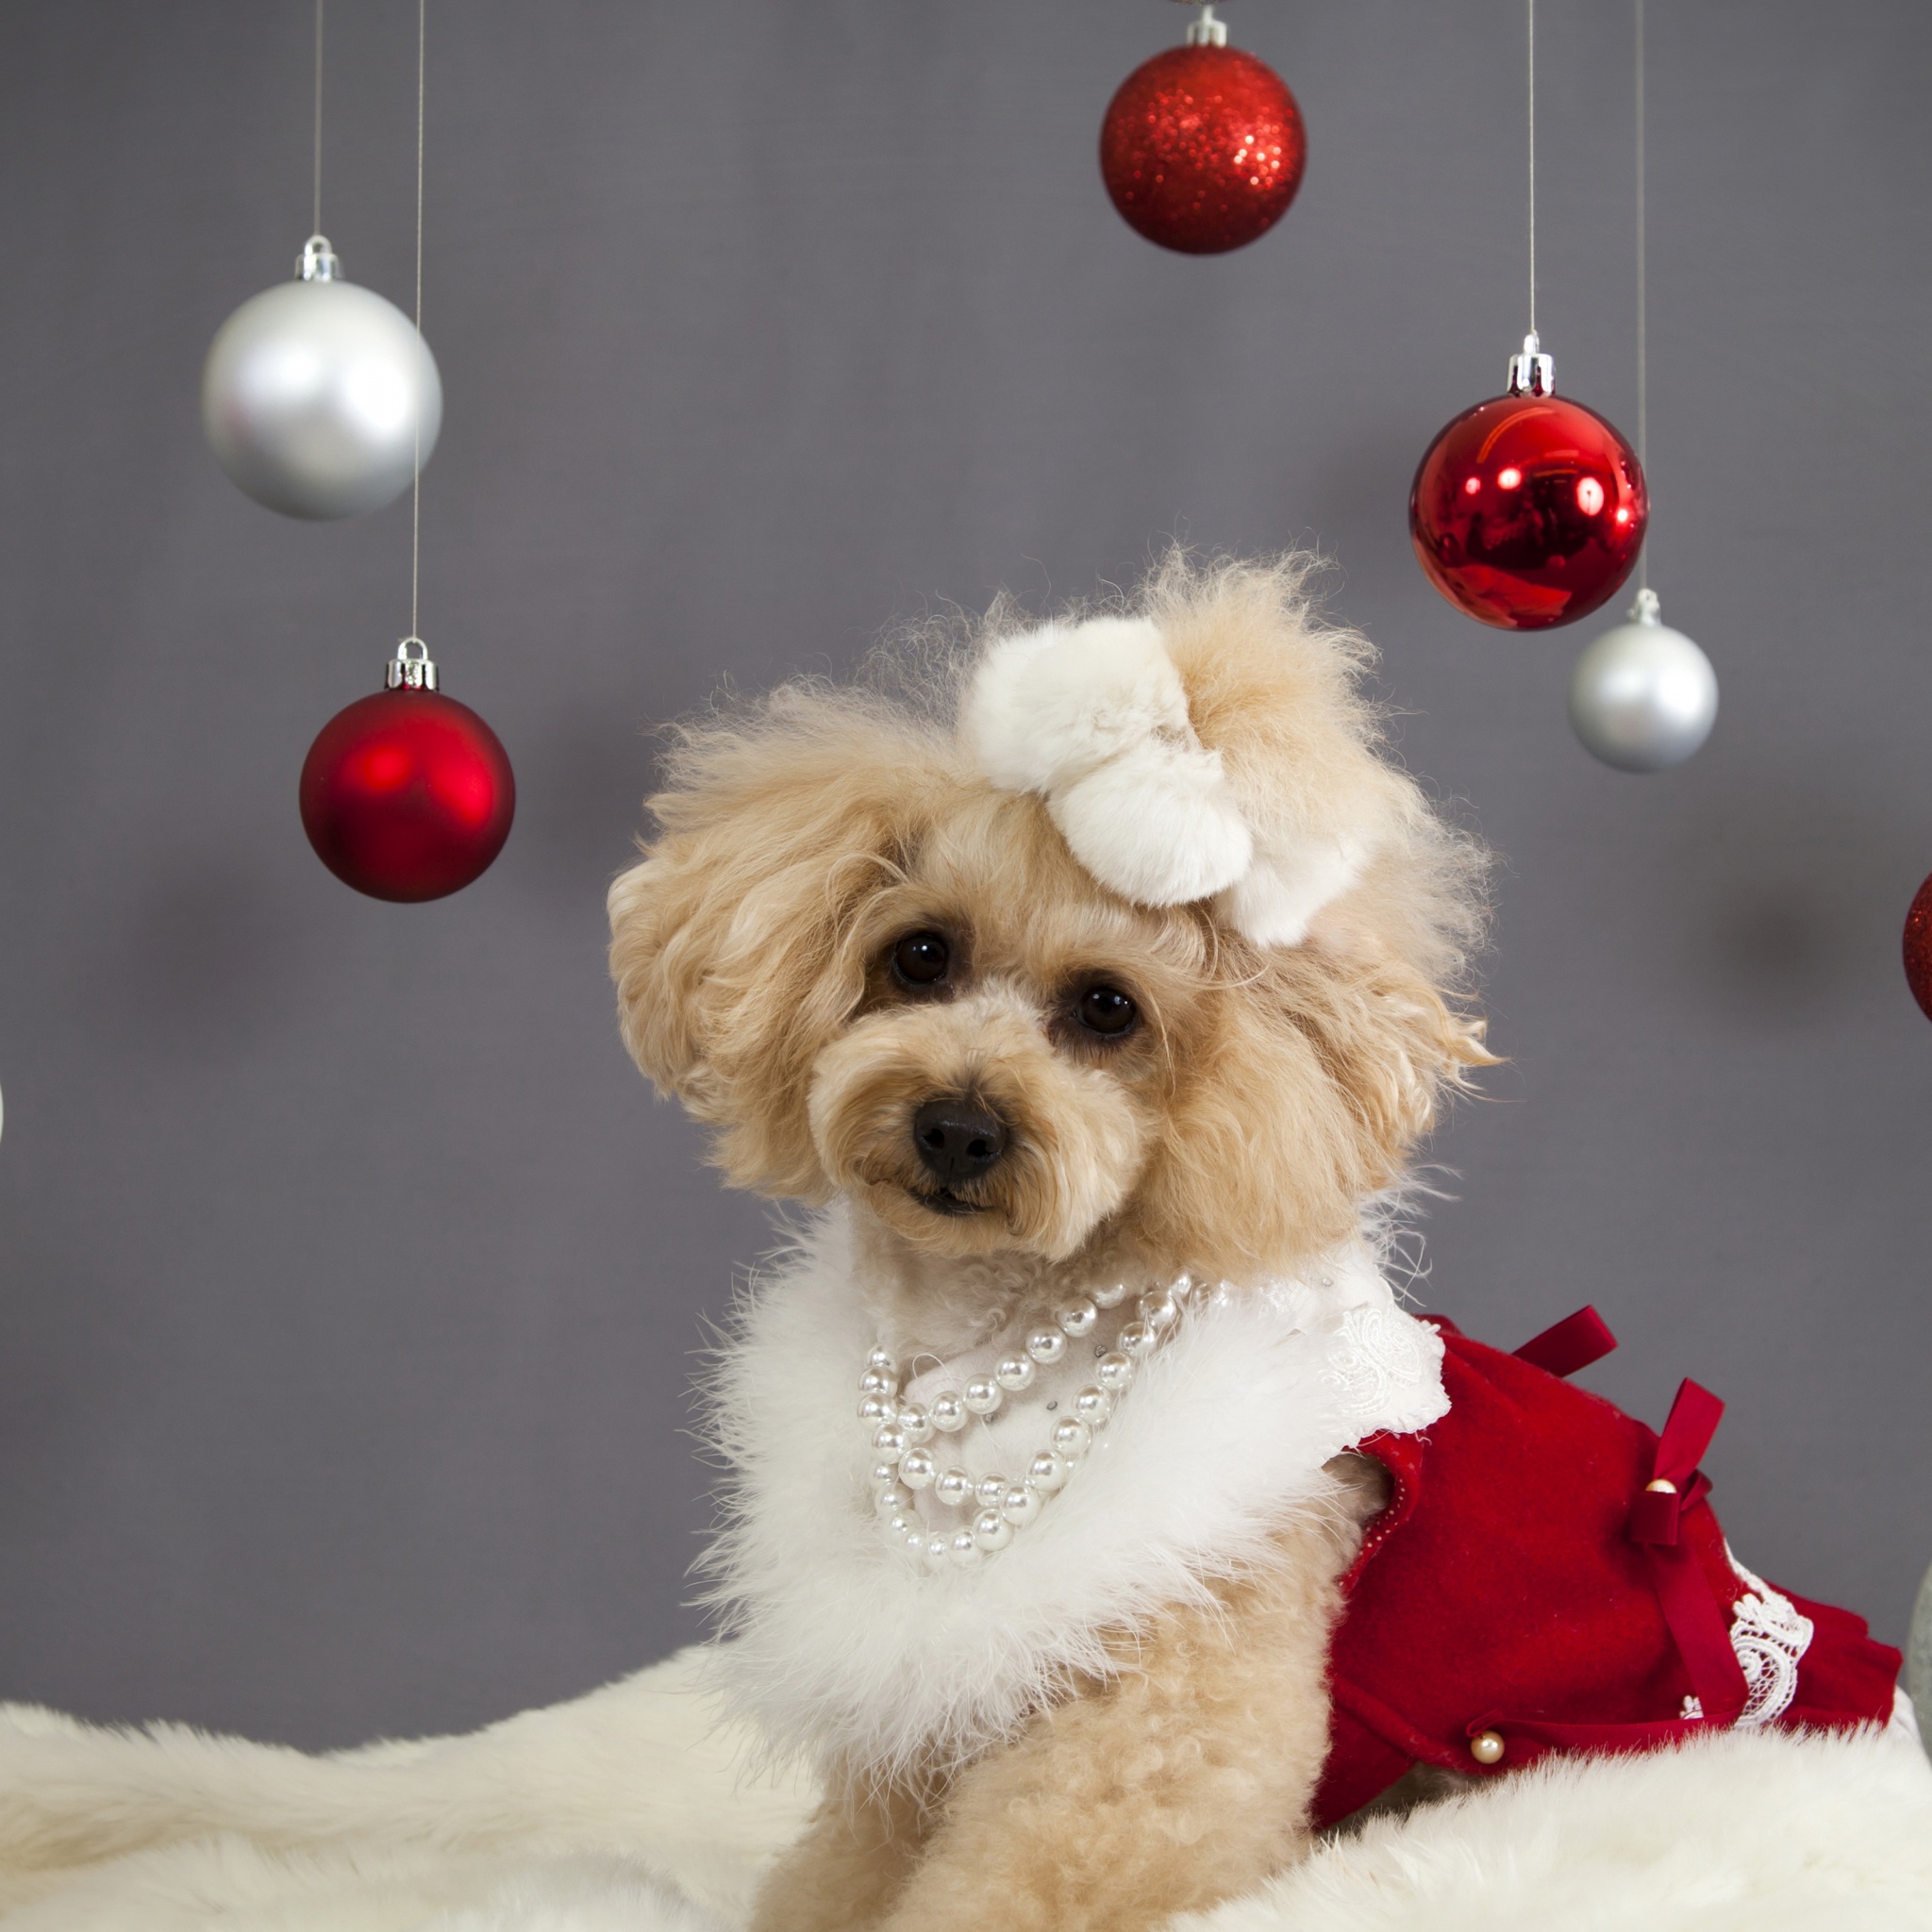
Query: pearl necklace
[{"x": 902, "y": 1430}]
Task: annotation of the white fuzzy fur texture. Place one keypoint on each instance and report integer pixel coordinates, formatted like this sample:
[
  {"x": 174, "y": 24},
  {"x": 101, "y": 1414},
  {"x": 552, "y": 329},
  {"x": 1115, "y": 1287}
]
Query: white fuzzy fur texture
[
  {"x": 846, "y": 1646},
  {"x": 1742, "y": 1831},
  {"x": 1095, "y": 718},
  {"x": 620, "y": 1812},
  {"x": 637, "y": 1786}
]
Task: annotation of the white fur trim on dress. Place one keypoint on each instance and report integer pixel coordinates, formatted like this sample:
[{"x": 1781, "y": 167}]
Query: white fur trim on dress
[
  {"x": 848, "y": 1647},
  {"x": 1095, "y": 718}
]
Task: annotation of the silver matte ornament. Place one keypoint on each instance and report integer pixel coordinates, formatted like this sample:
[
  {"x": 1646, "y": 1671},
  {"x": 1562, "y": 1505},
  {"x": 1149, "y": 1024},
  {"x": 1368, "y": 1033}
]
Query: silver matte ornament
[
  {"x": 1642, "y": 697},
  {"x": 315, "y": 392}
]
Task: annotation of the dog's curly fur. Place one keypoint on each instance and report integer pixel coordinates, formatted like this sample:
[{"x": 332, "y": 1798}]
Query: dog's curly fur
[{"x": 1265, "y": 1098}]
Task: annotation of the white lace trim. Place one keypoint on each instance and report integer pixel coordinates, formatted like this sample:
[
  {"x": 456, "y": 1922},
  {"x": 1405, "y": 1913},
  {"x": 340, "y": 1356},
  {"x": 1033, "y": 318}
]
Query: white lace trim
[
  {"x": 1769, "y": 1638},
  {"x": 1380, "y": 1365}
]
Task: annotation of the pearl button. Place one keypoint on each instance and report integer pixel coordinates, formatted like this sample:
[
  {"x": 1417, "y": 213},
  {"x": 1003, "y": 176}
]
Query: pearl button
[
  {"x": 1078, "y": 1319},
  {"x": 1110, "y": 1296},
  {"x": 916, "y": 1423},
  {"x": 1136, "y": 1339},
  {"x": 876, "y": 1410},
  {"x": 1073, "y": 1439},
  {"x": 992, "y": 1491},
  {"x": 1114, "y": 1372},
  {"x": 917, "y": 1469},
  {"x": 1662, "y": 1487},
  {"x": 889, "y": 1442},
  {"x": 1047, "y": 1471},
  {"x": 876, "y": 1382},
  {"x": 1486, "y": 1747},
  {"x": 1015, "y": 1372},
  {"x": 881, "y": 1362}
]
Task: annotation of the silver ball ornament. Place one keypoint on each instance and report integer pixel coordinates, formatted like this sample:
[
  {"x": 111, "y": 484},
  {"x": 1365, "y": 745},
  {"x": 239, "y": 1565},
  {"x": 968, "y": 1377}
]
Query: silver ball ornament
[
  {"x": 1642, "y": 697},
  {"x": 314, "y": 391}
]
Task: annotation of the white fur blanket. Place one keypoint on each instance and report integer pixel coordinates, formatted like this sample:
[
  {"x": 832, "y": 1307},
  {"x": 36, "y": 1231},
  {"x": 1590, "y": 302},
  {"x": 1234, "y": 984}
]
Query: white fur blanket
[{"x": 629, "y": 1811}]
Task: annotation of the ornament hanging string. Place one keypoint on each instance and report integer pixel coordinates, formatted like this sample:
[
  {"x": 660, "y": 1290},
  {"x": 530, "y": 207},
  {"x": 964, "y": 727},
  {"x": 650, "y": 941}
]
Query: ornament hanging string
[
  {"x": 315, "y": 226},
  {"x": 1642, "y": 312},
  {"x": 416, "y": 485},
  {"x": 1532, "y": 167}
]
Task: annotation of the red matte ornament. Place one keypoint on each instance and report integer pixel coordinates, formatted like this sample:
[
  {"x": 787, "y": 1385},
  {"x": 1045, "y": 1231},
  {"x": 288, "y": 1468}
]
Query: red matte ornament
[
  {"x": 1918, "y": 948},
  {"x": 1203, "y": 148},
  {"x": 1528, "y": 510},
  {"x": 406, "y": 794}
]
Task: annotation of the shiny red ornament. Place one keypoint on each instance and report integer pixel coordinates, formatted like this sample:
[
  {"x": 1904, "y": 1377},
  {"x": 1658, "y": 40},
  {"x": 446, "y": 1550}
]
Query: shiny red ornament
[
  {"x": 1203, "y": 149},
  {"x": 1919, "y": 949},
  {"x": 406, "y": 794},
  {"x": 1528, "y": 511}
]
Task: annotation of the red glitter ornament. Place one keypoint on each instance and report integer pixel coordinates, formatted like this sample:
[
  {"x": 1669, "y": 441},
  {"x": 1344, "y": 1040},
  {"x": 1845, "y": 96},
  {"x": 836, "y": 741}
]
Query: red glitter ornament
[
  {"x": 1917, "y": 949},
  {"x": 1203, "y": 148},
  {"x": 406, "y": 794},
  {"x": 1528, "y": 510}
]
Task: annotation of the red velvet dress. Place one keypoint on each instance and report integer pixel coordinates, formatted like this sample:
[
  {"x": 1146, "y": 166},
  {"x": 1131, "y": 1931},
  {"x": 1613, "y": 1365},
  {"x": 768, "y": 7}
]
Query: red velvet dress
[{"x": 1548, "y": 1575}]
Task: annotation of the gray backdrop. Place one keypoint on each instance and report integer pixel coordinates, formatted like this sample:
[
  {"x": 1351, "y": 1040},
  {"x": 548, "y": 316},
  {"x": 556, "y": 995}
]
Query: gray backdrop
[{"x": 349, "y": 1276}]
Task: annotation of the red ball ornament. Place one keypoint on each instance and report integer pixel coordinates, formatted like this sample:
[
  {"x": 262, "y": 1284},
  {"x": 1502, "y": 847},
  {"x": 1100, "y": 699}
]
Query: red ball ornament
[
  {"x": 406, "y": 794},
  {"x": 1203, "y": 147},
  {"x": 1528, "y": 511},
  {"x": 1919, "y": 949}
]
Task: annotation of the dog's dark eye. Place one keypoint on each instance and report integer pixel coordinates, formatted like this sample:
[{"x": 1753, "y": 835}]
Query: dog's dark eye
[
  {"x": 920, "y": 958},
  {"x": 1106, "y": 1009}
]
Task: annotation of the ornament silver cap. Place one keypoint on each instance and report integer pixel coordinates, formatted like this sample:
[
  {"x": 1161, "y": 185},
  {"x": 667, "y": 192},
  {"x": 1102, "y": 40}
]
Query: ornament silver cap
[
  {"x": 1207, "y": 31},
  {"x": 319, "y": 262},
  {"x": 403, "y": 672},
  {"x": 1532, "y": 373},
  {"x": 1647, "y": 609}
]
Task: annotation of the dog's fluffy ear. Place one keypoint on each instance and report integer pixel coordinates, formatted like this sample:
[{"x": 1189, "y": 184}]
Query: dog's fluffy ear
[{"x": 732, "y": 943}]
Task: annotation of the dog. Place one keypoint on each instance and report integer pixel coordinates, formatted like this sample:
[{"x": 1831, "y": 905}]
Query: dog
[
  {"x": 1093, "y": 985},
  {"x": 1122, "y": 957}
]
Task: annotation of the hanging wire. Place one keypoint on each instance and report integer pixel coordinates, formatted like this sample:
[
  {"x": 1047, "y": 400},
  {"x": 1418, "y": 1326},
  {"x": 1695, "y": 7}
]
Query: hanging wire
[
  {"x": 416, "y": 485},
  {"x": 1532, "y": 167},
  {"x": 315, "y": 226},
  {"x": 1642, "y": 312}
]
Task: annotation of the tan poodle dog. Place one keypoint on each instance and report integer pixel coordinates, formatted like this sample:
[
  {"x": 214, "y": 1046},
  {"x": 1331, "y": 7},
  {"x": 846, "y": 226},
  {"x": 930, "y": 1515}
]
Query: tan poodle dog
[{"x": 1092, "y": 988}]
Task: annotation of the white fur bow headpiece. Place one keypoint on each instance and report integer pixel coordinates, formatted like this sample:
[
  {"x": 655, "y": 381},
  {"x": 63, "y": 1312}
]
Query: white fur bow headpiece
[{"x": 1095, "y": 718}]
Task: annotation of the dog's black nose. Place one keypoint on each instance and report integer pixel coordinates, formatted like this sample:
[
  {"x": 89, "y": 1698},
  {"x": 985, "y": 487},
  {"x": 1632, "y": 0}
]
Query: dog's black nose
[{"x": 957, "y": 1137}]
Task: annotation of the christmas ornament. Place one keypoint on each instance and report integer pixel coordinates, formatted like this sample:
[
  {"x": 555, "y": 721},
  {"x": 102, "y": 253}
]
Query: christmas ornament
[
  {"x": 316, "y": 395},
  {"x": 1917, "y": 951},
  {"x": 1642, "y": 697},
  {"x": 406, "y": 794},
  {"x": 1202, "y": 149},
  {"x": 1528, "y": 510}
]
